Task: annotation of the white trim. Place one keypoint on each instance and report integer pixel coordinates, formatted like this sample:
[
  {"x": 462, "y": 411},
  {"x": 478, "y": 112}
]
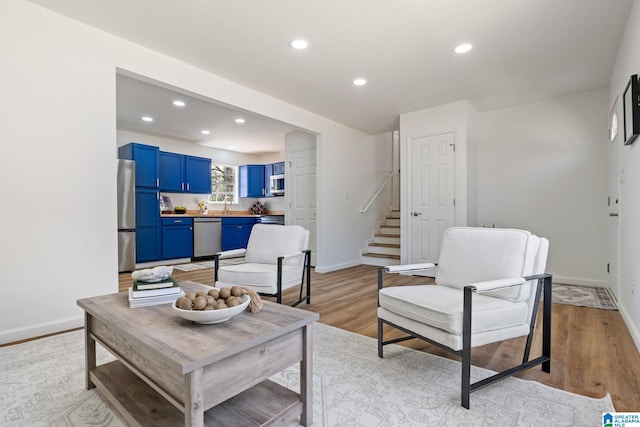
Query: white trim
[
  {"x": 336, "y": 267},
  {"x": 633, "y": 330},
  {"x": 580, "y": 281},
  {"x": 40, "y": 330}
]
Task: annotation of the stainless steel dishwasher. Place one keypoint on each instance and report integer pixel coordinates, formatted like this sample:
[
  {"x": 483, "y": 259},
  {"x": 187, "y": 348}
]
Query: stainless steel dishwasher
[{"x": 207, "y": 237}]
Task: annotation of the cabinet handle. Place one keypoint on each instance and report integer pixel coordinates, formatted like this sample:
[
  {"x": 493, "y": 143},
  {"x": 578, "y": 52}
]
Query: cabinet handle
[
  {"x": 182, "y": 186},
  {"x": 188, "y": 186},
  {"x": 157, "y": 195},
  {"x": 177, "y": 221},
  {"x": 157, "y": 182}
]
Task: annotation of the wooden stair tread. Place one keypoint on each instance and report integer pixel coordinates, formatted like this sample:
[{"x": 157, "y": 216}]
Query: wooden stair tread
[
  {"x": 369, "y": 254},
  {"x": 385, "y": 245}
]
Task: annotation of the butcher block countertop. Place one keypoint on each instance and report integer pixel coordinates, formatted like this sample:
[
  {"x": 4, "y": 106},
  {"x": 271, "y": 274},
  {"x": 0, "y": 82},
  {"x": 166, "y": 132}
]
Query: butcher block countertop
[{"x": 219, "y": 214}]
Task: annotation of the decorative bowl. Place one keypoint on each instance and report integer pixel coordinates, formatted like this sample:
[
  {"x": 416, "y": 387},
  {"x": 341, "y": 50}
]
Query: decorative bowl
[
  {"x": 180, "y": 211},
  {"x": 209, "y": 317}
]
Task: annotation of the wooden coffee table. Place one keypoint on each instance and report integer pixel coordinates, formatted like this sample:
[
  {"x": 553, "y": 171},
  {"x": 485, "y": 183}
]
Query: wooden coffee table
[{"x": 171, "y": 371}]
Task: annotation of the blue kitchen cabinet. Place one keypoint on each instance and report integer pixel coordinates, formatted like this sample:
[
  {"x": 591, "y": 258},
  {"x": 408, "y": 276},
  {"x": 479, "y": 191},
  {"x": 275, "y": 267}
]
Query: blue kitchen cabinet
[
  {"x": 148, "y": 226},
  {"x": 147, "y": 160},
  {"x": 177, "y": 238},
  {"x": 236, "y": 232},
  {"x": 269, "y": 171},
  {"x": 251, "y": 181},
  {"x": 184, "y": 174},
  {"x": 171, "y": 172},
  {"x": 198, "y": 174}
]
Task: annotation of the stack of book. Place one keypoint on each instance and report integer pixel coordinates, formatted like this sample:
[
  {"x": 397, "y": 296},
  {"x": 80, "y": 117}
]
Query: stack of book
[{"x": 144, "y": 294}]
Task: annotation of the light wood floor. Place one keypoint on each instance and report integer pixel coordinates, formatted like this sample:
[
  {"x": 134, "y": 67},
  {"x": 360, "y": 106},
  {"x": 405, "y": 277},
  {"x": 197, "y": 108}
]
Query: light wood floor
[{"x": 592, "y": 350}]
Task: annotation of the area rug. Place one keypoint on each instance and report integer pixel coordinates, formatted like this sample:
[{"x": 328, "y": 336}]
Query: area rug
[
  {"x": 206, "y": 264},
  {"x": 584, "y": 296},
  {"x": 42, "y": 384},
  {"x": 194, "y": 266}
]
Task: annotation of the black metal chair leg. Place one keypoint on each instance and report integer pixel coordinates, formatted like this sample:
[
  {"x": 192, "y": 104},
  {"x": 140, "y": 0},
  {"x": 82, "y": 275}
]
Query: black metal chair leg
[
  {"x": 380, "y": 325},
  {"x": 546, "y": 326},
  {"x": 466, "y": 349}
]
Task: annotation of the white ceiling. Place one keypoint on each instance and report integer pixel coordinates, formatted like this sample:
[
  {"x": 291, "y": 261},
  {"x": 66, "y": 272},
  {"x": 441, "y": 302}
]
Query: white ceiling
[
  {"x": 524, "y": 50},
  {"x": 135, "y": 98}
]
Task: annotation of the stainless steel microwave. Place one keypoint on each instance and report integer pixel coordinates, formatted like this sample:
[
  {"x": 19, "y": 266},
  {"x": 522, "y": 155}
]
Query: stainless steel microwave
[{"x": 276, "y": 184}]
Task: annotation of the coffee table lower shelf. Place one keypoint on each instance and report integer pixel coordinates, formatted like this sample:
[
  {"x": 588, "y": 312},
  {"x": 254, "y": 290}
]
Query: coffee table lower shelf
[{"x": 266, "y": 403}]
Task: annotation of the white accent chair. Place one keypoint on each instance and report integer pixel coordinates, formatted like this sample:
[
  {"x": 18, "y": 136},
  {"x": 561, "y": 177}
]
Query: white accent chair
[
  {"x": 276, "y": 258},
  {"x": 488, "y": 284}
]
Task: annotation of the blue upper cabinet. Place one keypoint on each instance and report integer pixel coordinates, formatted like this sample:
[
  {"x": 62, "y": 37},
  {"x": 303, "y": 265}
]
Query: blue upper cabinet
[
  {"x": 184, "y": 174},
  {"x": 198, "y": 174},
  {"x": 171, "y": 172},
  {"x": 147, "y": 160},
  {"x": 270, "y": 170},
  {"x": 251, "y": 181}
]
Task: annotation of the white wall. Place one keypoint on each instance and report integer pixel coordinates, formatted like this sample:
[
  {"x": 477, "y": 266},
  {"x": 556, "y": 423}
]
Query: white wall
[
  {"x": 628, "y": 63},
  {"x": 348, "y": 188},
  {"x": 543, "y": 167},
  {"x": 58, "y": 141}
]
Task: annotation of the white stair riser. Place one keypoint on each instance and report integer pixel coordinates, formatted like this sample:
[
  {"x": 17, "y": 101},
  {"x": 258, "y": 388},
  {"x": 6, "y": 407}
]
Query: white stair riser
[
  {"x": 390, "y": 230},
  {"x": 392, "y": 221},
  {"x": 383, "y": 250},
  {"x": 394, "y": 214},
  {"x": 380, "y": 262},
  {"x": 388, "y": 240}
]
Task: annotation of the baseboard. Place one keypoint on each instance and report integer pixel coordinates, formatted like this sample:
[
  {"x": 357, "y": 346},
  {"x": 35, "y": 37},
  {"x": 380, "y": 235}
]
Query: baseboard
[
  {"x": 42, "y": 329},
  {"x": 580, "y": 281},
  {"x": 633, "y": 330},
  {"x": 336, "y": 267}
]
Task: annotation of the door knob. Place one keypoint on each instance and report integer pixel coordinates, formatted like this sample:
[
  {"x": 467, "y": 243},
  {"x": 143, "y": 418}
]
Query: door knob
[{"x": 416, "y": 213}]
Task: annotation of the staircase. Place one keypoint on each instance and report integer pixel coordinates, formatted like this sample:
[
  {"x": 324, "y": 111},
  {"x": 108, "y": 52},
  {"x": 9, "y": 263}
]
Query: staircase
[{"x": 385, "y": 248}]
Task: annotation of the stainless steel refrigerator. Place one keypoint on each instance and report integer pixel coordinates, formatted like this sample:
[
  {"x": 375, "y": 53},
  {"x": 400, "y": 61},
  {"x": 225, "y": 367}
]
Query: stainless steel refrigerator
[{"x": 126, "y": 215}]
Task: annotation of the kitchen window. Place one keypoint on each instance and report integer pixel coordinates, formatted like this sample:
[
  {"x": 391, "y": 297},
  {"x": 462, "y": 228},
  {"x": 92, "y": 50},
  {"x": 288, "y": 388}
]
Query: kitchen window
[{"x": 224, "y": 184}]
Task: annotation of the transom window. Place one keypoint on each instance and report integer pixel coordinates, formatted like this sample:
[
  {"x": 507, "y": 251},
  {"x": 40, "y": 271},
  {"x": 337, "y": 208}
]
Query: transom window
[{"x": 224, "y": 184}]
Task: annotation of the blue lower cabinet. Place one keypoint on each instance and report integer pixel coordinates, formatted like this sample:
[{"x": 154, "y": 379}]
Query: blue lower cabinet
[
  {"x": 236, "y": 231},
  {"x": 177, "y": 238},
  {"x": 148, "y": 226}
]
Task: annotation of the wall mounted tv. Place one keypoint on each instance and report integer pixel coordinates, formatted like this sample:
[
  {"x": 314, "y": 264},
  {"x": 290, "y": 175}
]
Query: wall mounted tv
[{"x": 631, "y": 107}]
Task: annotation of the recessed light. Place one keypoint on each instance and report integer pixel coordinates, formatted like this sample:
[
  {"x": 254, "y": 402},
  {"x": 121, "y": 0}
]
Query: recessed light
[
  {"x": 179, "y": 103},
  {"x": 205, "y": 132},
  {"x": 463, "y": 48},
  {"x": 147, "y": 118},
  {"x": 298, "y": 44},
  {"x": 239, "y": 120},
  {"x": 360, "y": 82},
  {"x": 231, "y": 147}
]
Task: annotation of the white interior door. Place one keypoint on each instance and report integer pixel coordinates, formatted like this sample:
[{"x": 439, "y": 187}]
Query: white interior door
[
  {"x": 432, "y": 193},
  {"x": 301, "y": 188},
  {"x": 614, "y": 202}
]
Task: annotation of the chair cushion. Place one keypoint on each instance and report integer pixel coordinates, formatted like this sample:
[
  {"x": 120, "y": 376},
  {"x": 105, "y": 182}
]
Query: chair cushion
[
  {"x": 477, "y": 254},
  {"x": 259, "y": 277},
  {"x": 441, "y": 307},
  {"x": 267, "y": 242}
]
